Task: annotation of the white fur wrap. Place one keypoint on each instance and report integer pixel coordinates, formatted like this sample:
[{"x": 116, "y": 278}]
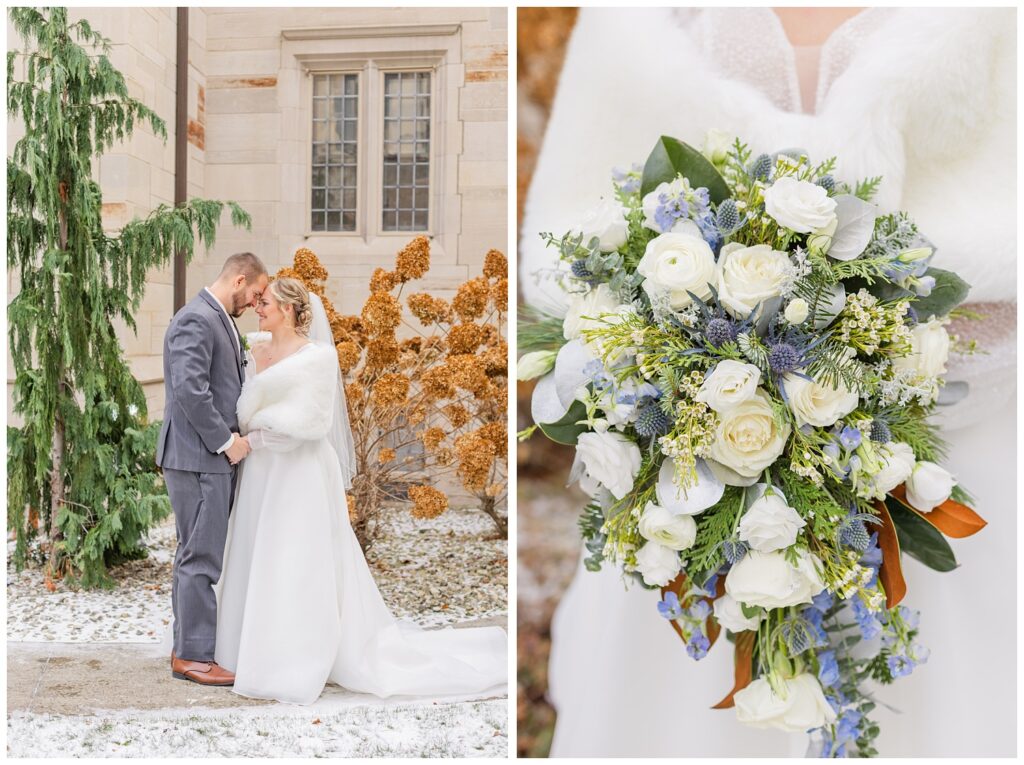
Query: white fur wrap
[{"x": 294, "y": 397}]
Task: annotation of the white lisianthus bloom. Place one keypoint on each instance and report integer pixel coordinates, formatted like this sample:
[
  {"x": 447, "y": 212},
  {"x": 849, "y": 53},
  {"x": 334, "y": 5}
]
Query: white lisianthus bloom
[
  {"x": 929, "y": 486},
  {"x": 748, "y": 439},
  {"x": 897, "y": 461},
  {"x": 658, "y": 564},
  {"x": 535, "y": 364},
  {"x": 770, "y": 581},
  {"x": 608, "y": 223},
  {"x": 586, "y": 309},
  {"x": 611, "y": 459},
  {"x": 674, "y": 265},
  {"x": 676, "y": 532},
  {"x": 801, "y": 707},
  {"x": 816, "y": 404},
  {"x": 730, "y": 615},
  {"x": 750, "y": 275},
  {"x": 716, "y": 145},
  {"x": 800, "y": 206},
  {"x": 770, "y": 524},
  {"x": 797, "y": 311},
  {"x": 930, "y": 350},
  {"x": 730, "y": 383},
  {"x": 820, "y": 241}
]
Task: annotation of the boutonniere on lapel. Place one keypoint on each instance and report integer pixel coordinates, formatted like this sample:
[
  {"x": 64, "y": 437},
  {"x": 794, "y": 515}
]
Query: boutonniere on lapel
[{"x": 246, "y": 348}]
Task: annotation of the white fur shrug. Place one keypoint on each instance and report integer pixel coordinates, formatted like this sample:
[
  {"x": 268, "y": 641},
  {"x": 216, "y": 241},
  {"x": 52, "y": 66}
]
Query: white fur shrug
[{"x": 294, "y": 397}]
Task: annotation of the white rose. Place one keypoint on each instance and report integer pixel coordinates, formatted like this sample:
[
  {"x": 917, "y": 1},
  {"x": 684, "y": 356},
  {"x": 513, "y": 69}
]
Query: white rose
[
  {"x": 800, "y": 206},
  {"x": 897, "y": 459},
  {"x": 608, "y": 223},
  {"x": 930, "y": 350},
  {"x": 770, "y": 524},
  {"x": 816, "y": 404},
  {"x": 801, "y": 707},
  {"x": 716, "y": 145},
  {"x": 676, "y": 532},
  {"x": 730, "y": 383},
  {"x": 658, "y": 564},
  {"x": 797, "y": 310},
  {"x": 675, "y": 264},
  {"x": 531, "y": 365},
  {"x": 929, "y": 486},
  {"x": 770, "y": 581},
  {"x": 729, "y": 614},
  {"x": 748, "y": 439},
  {"x": 611, "y": 459},
  {"x": 750, "y": 275},
  {"x": 586, "y": 309}
]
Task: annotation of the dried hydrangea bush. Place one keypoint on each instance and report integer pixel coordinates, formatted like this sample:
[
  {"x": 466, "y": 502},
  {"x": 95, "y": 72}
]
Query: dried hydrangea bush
[{"x": 432, "y": 404}]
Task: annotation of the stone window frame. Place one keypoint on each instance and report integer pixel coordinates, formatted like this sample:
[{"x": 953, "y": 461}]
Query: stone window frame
[{"x": 372, "y": 51}]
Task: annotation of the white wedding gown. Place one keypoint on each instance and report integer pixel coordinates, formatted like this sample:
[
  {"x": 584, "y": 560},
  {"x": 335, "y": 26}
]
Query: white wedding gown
[
  {"x": 925, "y": 98},
  {"x": 298, "y": 606}
]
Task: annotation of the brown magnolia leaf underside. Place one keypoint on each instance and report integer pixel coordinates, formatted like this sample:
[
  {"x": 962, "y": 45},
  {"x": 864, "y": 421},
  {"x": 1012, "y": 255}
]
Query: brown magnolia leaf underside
[
  {"x": 744, "y": 667},
  {"x": 891, "y": 571},
  {"x": 951, "y": 518}
]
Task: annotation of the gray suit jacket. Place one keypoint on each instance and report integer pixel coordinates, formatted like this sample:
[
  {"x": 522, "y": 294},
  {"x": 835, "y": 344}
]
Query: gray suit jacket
[{"x": 202, "y": 379}]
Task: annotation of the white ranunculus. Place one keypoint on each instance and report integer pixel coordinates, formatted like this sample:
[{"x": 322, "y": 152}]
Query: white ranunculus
[
  {"x": 748, "y": 439},
  {"x": 797, "y": 310},
  {"x": 801, "y": 707},
  {"x": 611, "y": 459},
  {"x": 716, "y": 145},
  {"x": 770, "y": 581},
  {"x": 608, "y": 223},
  {"x": 585, "y": 310},
  {"x": 929, "y": 486},
  {"x": 770, "y": 524},
  {"x": 535, "y": 364},
  {"x": 730, "y": 383},
  {"x": 676, "y": 532},
  {"x": 816, "y": 404},
  {"x": 800, "y": 206},
  {"x": 730, "y": 615},
  {"x": 658, "y": 564},
  {"x": 897, "y": 460},
  {"x": 675, "y": 264},
  {"x": 748, "y": 276},
  {"x": 930, "y": 344}
]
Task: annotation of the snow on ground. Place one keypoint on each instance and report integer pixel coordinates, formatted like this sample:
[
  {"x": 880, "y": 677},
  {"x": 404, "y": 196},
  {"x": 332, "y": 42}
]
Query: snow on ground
[
  {"x": 435, "y": 573},
  {"x": 473, "y": 729}
]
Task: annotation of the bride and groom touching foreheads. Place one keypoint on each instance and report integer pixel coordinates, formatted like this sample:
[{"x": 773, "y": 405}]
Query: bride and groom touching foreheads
[{"x": 271, "y": 592}]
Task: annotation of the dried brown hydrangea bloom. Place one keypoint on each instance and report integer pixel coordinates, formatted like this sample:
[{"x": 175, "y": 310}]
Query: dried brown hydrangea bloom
[
  {"x": 457, "y": 415},
  {"x": 445, "y": 457},
  {"x": 346, "y": 328},
  {"x": 383, "y": 280},
  {"x": 381, "y": 352},
  {"x": 470, "y": 300},
  {"x": 382, "y": 313},
  {"x": 432, "y": 438},
  {"x": 438, "y": 383},
  {"x": 493, "y": 490},
  {"x": 288, "y": 273},
  {"x": 497, "y": 434},
  {"x": 353, "y": 514},
  {"x": 412, "y": 344},
  {"x": 309, "y": 267},
  {"x": 348, "y": 356},
  {"x": 495, "y": 265},
  {"x": 469, "y": 373},
  {"x": 386, "y": 455},
  {"x": 417, "y": 414},
  {"x": 499, "y": 295},
  {"x": 496, "y": 360},
  {"x": 476, "y": 456},
  {"x": 465, "y": 338},
  {"x": 355, "y": 393},
  {"x": 427, "y": 502},
  {"x": 391, "y": 390},
  {"x": 429, "y": 309},
  {"x": 413, "y": 260}
]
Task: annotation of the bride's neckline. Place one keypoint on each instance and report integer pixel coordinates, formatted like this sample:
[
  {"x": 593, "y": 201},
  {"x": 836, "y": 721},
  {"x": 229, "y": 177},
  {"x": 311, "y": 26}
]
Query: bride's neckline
[{"x": 283, "y": 358}]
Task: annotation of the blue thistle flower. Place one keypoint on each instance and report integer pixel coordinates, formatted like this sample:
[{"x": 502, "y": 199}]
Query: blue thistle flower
[
  {"x": 827, "y": 182},
  {"x": 761, "y": 167},
  {"x": 728, "y": 218},
  {"x": 880, "y": 432},
  {"x": 580, "y": 270},
  {"x": 853, "y": 533},
  {"x": 719, "y": 332},
  {"x": 783, "y": 358},
  {"x": 734, "y": 550},
  {"x": 652, "y": 421}
]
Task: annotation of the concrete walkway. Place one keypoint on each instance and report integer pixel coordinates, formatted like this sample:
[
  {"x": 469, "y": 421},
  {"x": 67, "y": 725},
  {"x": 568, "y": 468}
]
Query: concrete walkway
[{"x": 77, "y": 678}]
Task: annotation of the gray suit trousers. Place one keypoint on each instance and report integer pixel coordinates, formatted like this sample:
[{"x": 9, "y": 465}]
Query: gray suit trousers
[{"x": 201, "y": 502}]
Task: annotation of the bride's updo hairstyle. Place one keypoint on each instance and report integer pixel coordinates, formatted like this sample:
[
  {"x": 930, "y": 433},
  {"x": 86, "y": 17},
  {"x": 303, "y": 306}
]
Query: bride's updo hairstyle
[{"x": 294, "y": 293}]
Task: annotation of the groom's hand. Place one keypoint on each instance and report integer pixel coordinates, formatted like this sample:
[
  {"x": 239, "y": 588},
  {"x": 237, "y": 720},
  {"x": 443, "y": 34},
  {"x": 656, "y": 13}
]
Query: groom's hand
[{"x": 238, "y": 450}]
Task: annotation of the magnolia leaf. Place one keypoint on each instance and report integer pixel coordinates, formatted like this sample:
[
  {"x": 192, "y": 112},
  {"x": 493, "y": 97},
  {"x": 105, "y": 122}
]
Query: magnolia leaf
[
  {"x": 855, "y": 224},
  {"x": 951, "y": 518},
  {"x": 568, "y": 429},
  {"x": 891, "y": 571},
  {"x": 694, "y": 500},
  {"x": 545, "y": 405},
  {"x": 569, "y": 375},
  {"x": 744, "y": 667},
  {"x": 949, "y": 292},
  {"x": 831, "y": 302},
  {"x": 672, "y": 157},
  {"x": 919, "y": 539}
]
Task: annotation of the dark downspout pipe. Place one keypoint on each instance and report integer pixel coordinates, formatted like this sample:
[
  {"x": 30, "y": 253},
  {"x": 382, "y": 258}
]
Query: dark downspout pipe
[{"x": 181, "y": 147}]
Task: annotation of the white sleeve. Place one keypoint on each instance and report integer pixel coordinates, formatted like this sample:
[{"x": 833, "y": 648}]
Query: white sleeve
[
  {"x": 227, "y": 446},
  {"x": 276, "y": 442}
]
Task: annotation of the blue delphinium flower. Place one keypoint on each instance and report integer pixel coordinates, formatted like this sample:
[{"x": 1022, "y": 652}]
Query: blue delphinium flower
[
  {"x": 867, "y": 620},
  {"x": 698, "y": 645},
  {"x": 700, "y": 610},
  {"x": 828, "y": 668},
  {"x": 669, "y": 607},
  {"x": 900, "y": 665},
  {"x": 850, "y": 438},
  {"x": 872, "y": 556},
  {"x": 670, "y": 209}
]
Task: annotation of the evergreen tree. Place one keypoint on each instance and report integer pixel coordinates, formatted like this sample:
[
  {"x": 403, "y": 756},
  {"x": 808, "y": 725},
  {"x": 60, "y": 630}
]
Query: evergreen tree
[{"x": 81, "y": 471}]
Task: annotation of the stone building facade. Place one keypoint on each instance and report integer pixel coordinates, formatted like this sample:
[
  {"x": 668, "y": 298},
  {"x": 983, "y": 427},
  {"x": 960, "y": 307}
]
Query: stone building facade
[{"x": 345, "y": 130}]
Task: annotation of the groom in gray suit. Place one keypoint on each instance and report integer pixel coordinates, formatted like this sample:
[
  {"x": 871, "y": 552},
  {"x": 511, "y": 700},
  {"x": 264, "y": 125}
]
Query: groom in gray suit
[{"x": 199, "y": 448}]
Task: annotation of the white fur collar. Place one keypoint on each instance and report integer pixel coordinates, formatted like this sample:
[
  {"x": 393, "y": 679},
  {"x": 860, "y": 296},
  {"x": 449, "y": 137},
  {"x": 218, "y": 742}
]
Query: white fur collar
[{"x": 294, "y": 397}]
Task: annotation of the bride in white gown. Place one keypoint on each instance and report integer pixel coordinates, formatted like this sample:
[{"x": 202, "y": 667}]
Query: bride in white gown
[
  {"x": 298, "y": 606},
  {"x": 925, "y": 98}
]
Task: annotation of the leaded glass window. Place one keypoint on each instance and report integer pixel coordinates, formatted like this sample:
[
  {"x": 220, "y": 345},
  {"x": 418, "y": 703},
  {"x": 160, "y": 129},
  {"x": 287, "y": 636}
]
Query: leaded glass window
[
  {"x": 335, "y": 152},
  {"x": 406, "y": 202}
]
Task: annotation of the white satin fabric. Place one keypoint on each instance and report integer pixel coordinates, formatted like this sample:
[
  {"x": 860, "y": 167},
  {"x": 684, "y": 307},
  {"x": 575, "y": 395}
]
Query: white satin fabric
[
  {"x": 926, "y": 98},
  {"x": 298, "y": 606}
]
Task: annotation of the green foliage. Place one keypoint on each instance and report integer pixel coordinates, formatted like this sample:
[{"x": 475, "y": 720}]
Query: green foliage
[
  {"x": 910, "y": 425},
  {"x": 538, "y": 331},
  {"x": 671, "y": 158},
  {"x": 817, "y": 504},
  {"x": 82, "y": 468},
  {"x": 714, "y": 526}
]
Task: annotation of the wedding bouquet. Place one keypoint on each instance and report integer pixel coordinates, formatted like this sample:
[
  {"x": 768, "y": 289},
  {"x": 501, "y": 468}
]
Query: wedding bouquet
[{"x": 747, "y": 366}]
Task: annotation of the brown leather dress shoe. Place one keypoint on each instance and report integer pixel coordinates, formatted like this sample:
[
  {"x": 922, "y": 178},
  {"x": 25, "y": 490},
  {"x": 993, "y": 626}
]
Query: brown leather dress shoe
[{"x": 202, "y": 672}]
